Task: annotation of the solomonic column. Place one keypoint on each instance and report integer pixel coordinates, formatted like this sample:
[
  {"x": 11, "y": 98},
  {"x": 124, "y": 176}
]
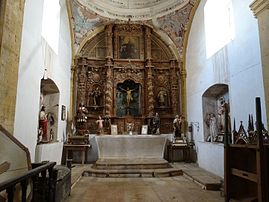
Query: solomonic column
[
  {"x": 149, "y": 66},
  {"x": 81, "y": 80},
  {"x": 109, "y": 72},
  {"x": 260, "y": 9},
  {"x": 150, "y": 97},
  {"x": 174, "y": 87},
  {"x": 182, "y": 88}
]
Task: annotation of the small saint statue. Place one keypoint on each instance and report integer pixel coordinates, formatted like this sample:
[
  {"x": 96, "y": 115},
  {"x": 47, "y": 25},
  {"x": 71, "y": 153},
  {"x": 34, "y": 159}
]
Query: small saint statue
[
  {"x": 130, "y": 127},
  {"x": 155, "y": 128},
  {"x": 43, "y": 125},
  {"x": 162, "y": 98},
  {"x": 96, "y": 95},
  {"x": 177, "y": 125},
  {"x": 100, "y": 125}
]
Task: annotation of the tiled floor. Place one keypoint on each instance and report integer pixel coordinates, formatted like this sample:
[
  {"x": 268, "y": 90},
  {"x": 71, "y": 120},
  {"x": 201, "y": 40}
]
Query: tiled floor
[{"x": 180, "y": 188}]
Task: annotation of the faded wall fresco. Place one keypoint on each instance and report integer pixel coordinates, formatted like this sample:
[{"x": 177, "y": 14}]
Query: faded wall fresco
[
  {"x": 85, "y": 21},
  {"x": 175, "y": 25}
]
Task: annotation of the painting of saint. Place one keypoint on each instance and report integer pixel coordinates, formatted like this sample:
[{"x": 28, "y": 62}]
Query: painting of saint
[{"x": 129, "y": 47}]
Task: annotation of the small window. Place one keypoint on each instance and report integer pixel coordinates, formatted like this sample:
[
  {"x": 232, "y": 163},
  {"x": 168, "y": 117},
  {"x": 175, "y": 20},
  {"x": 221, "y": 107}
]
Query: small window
[{"x": 51, "y": 23}]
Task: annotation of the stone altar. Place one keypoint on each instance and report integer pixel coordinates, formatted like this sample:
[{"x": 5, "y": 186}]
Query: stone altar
[{"x": 131, "y": 146}]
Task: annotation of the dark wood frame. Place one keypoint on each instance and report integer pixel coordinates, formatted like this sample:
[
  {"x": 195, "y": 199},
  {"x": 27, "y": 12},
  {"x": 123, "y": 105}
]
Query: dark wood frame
[{"x": 63, "y": 113}]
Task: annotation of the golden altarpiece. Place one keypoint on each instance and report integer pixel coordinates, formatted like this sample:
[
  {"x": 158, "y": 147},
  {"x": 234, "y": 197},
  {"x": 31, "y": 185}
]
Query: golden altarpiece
[{"x": 126, "y": 74}]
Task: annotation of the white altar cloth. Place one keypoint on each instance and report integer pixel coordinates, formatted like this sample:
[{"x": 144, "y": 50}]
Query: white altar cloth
[{"x": 131, "y": 146}]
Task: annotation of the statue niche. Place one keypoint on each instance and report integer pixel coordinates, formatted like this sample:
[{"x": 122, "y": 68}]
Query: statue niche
[{"x": 128, "y": 98}]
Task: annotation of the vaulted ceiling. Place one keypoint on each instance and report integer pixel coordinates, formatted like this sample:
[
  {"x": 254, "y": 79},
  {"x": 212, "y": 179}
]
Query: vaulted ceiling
[{"x": 133, "y": 9}]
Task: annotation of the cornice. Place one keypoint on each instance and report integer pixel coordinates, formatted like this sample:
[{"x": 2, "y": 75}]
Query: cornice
[{"x": 258, "y": 6}]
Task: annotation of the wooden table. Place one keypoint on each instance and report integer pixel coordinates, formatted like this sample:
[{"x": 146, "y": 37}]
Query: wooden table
[
  {"x": 83, "y": 148},
  {"x": 178, "y": 146}
]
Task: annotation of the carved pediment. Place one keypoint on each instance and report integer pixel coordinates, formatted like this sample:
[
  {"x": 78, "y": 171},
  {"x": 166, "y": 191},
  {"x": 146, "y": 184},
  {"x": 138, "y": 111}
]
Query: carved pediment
[{"x": 129, "y": 28}]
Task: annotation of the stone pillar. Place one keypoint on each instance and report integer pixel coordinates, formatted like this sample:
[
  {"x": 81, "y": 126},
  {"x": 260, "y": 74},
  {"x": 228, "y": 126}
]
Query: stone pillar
[
  {"x": 260, "y": 9},
  {"x": 174, "y": 86},
  {"x": 11, "y": 21},
  {"x": 109, "y": 72}
]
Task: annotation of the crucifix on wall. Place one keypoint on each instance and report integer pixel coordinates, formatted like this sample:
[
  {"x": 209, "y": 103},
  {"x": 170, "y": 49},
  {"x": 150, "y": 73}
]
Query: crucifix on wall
[{"x": 128, "y": 98}]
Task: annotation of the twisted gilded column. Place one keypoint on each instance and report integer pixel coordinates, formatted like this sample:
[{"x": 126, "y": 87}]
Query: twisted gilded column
[
  {"x": 149, "y": 78},
  {"x": 81, "y": 80},
  {"x": 174, "y": 87},
  {"x": 109, "y": 72},
  {"x": 150, "y": 97},
  {"x": 183, "y": 75}
]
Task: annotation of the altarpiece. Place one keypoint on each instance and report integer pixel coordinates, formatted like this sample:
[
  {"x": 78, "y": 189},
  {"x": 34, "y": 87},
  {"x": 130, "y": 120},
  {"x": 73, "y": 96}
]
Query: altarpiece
[{"x": 125, "y": 74}]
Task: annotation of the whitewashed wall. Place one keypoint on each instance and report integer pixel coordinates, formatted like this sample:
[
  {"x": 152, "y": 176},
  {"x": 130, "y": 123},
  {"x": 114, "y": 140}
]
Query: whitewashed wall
[
  {"x": 241, "y": 58},
  {"x": 35, "y": 53}
]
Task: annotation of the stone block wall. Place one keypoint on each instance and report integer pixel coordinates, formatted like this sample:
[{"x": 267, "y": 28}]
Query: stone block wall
[{"x": 11, "y": 19}]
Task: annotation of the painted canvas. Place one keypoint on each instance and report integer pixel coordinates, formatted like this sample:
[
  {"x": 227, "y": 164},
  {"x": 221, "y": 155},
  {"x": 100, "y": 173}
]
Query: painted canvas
[{"x": 129, "y": 47}]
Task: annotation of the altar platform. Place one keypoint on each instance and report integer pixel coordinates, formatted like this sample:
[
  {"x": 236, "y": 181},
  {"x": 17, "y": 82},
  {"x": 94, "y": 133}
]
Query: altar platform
[{"x": 131, "y": 156}]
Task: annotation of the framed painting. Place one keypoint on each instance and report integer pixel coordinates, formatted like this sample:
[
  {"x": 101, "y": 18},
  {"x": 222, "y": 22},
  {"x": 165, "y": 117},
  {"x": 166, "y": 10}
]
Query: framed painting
[
  {"x": 129, "y": 47},
  {"x": 144, "y": 130},
  {"x": 114, "y": 130}
]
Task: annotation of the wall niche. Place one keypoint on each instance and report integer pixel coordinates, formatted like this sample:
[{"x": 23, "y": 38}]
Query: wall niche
[
  {"x": 215, "y": 101},
  {"x": 48, "y": 113}
]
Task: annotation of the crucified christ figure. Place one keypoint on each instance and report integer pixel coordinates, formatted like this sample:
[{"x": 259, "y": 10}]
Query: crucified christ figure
[{"x": 129, "y": 96}]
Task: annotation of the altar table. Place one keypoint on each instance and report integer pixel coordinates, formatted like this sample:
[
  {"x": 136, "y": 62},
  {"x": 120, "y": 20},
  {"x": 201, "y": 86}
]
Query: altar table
[{"x": 131, "y": 146}]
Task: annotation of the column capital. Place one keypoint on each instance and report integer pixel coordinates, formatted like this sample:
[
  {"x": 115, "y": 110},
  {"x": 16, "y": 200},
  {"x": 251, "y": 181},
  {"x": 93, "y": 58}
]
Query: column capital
[{"x": 258, "y": 6}]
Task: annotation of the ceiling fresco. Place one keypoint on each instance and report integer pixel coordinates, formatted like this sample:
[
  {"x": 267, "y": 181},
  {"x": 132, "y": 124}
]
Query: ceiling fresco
[{"x": 174, "y": 22}]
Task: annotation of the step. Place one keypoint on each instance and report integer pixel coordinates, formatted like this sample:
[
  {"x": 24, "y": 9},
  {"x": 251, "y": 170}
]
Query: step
[
  {"x": 133, "y": 163},
  {"x": 167, "y": 172}
]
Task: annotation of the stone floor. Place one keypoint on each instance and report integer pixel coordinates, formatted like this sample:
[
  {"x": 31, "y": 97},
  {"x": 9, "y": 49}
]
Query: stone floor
[{"x": 187, "y": 188}]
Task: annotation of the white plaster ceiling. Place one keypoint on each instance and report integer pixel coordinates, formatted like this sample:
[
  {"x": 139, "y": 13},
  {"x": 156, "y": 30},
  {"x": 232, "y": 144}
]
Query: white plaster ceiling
[{"x": 133, "y": 9}]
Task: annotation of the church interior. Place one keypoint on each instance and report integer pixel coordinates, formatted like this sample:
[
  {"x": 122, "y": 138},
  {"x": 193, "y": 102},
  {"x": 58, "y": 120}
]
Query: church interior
[{"x": 134, "y": 100}]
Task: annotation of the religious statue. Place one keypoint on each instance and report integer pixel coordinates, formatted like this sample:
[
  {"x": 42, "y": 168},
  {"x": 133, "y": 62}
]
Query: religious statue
[
  {"x": 212, "y": 124},
  {"x": 107, "y": 122},
  {"x": 130, "y": 127},
  {"x": 129, "y": 96},
  {"x": 161, "y": 98},
  {"x": 177, "y": 124},
  {"x": 81, "y": 113},
  {"x": 43, "y": 125},
  {"x": 155, "y": 128},
  {"x": 100, "y": 125},
  {"x": 96, "y": 95},
  {"x": 221, "y": 113}
]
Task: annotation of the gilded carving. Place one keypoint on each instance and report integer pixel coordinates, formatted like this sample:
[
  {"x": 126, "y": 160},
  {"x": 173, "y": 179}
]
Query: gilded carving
[{"x": 140, "y": 87}]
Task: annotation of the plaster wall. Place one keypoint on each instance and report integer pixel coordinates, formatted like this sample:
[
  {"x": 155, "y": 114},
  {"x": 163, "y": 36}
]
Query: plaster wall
[
  {"x": 241, "y": 61},
  {"x": 36, "y": 55}
]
